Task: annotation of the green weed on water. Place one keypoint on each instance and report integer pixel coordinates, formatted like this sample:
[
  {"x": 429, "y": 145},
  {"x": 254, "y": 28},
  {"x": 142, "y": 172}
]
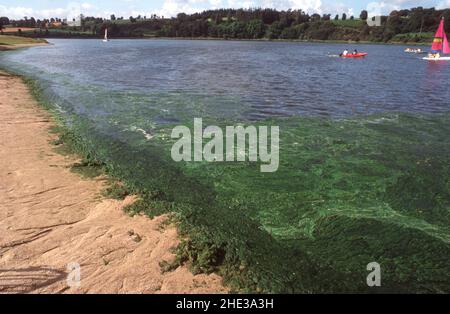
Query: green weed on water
[{"x": 347, "y": 193}]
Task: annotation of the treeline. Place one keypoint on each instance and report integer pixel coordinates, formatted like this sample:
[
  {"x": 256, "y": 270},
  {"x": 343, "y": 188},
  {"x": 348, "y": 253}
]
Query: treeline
[
  {"x": 260, "y": 24},
  {"x": 296, "y": 24}
]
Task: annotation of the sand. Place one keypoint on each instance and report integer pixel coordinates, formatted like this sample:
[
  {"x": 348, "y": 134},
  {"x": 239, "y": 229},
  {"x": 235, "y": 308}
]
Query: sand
[{"x": 51, "y": 218}]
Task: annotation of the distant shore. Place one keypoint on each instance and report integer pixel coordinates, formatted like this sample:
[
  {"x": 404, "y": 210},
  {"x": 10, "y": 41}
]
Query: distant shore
[
  {"x": 271, "y": 40},
  {"x": 286, "y": 40},
  {"x": 350, "y": 42}
]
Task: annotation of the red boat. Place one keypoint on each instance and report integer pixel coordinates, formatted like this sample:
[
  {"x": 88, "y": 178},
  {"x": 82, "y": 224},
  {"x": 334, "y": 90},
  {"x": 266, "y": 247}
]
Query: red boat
[{"x": 355, "y": 55}]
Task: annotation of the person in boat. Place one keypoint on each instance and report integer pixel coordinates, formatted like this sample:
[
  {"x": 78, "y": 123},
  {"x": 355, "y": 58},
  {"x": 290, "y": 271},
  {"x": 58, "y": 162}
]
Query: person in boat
[
  {"x": 345, "y": 53},
  {"x": 434, "y": 55},
  {"x": 355, "y": 52}
]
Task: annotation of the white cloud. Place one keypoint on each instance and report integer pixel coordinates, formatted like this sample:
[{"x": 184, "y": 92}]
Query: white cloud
[
  {"x": 443, "y": 5},
  {"x": 16, "y": 12},
  {"x": 173, "y": 7},
  {"x": 381, "y": 8},
  {"x": 72, "y": 10},
  {"x": 337, "y": 8},
  {"x": 86, "y": 6},
  {"x": 384, "y": 7},
  {"x": 309, "y": 6}
]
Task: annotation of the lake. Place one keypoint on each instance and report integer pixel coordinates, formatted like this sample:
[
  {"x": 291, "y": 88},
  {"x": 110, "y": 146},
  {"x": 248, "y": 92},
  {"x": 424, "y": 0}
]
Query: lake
[{"x": 364, "y": 154}]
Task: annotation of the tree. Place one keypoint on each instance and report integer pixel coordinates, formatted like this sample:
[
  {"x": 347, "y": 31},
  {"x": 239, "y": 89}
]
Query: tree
[
  {"x": 274, "y": 30},
  {"x": 352, "y": 17},
  {"x": 393, "y": 27},
  {"x": 301, "y": 17},
  {"x": 344, "y": 16},
  {"x": 182, "y": 17},
  {"x": 336, "y": 18},
  {"x": 255, "y": 29},
  {"x": 315, "y": 17},
  {"x": 113, "y": 17},
  {"x": 4, "y": 21},
  {"x": 364, "y": 15},
  {"x": 446, "y": 15}
]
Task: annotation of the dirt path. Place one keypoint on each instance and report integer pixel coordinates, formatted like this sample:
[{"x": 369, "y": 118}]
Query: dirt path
[{"x": 51, "y": 217}]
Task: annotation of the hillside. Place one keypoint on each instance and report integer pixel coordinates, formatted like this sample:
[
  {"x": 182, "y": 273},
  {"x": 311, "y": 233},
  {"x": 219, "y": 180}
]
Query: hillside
[{"x": 407, "y": 26}]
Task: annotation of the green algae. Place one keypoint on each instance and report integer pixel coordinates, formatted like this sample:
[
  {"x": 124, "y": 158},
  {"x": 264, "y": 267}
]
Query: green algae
[{"x": 348, "y": 192}]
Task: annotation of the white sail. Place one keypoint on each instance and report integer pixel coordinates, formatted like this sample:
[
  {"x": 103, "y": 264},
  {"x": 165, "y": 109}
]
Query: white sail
[{"x": 106, "y": 35}]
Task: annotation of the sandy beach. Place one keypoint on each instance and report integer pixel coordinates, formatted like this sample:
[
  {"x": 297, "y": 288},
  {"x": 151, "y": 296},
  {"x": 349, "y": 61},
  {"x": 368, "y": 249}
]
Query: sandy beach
[{"x": 51, "y": 218}]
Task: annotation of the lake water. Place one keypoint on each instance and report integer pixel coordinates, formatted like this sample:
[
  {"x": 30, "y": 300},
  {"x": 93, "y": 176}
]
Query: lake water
[{"x": 364, "y": 157}]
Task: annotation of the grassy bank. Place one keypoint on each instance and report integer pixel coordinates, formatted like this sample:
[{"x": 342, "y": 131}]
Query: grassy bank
[{"x": 7, "y": 40}]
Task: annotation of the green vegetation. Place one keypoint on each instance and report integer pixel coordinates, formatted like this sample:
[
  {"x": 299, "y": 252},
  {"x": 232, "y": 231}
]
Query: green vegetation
[
  {"x": 364, "y": 189},
  {"x": 88, "y": 168},
  {"x": 349, "y": 23},
  {"x": 413, "y": 37},
  {"x": 399, "y": 26},
  {"x": 17, "y": 40},
  {"x": 116, "y": 190}
]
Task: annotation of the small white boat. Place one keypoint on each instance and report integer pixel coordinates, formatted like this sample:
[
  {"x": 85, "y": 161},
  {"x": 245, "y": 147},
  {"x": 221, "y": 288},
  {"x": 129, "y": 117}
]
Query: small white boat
[
  {"x": 437, "y": 58},
  {"x": 105, "y": 40},
  {"x": 440, "y": 49},
  {"x": 412, "y": 50}
]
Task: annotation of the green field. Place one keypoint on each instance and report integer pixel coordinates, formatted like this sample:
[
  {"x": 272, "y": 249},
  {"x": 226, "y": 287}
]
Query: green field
[
  {"x": 414, "y": 37},
  {"x": 348, "y": 23}
]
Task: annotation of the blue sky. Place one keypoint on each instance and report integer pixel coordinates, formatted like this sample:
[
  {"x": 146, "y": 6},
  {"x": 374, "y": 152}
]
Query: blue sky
[{"x": 104, "y": 8}]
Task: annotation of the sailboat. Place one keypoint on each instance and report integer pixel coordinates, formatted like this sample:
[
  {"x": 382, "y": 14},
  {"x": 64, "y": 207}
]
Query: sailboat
[
  {"x": 440, "y": 45},
  {"x": 105, "y": 40}
]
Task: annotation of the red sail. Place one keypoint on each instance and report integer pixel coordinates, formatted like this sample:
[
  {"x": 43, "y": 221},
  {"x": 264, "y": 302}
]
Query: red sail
[
  {"x": 446, "y": 48},
  {"x": 439, "y": 37}
]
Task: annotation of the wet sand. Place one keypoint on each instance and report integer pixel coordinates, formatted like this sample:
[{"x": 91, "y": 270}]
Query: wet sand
[{"x": 51, "y": 217}]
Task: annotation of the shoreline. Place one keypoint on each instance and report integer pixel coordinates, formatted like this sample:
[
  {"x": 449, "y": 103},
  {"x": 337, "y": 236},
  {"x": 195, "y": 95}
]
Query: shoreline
[
  {"x": 11, "y": 42},
  {"x": 223, "y": 247},
  {"x": 53, "y": 217},
  {"x": 283, "y": 41},
  {"x": 350, "y": 42},
  {"x": 21, "y": 46}
]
